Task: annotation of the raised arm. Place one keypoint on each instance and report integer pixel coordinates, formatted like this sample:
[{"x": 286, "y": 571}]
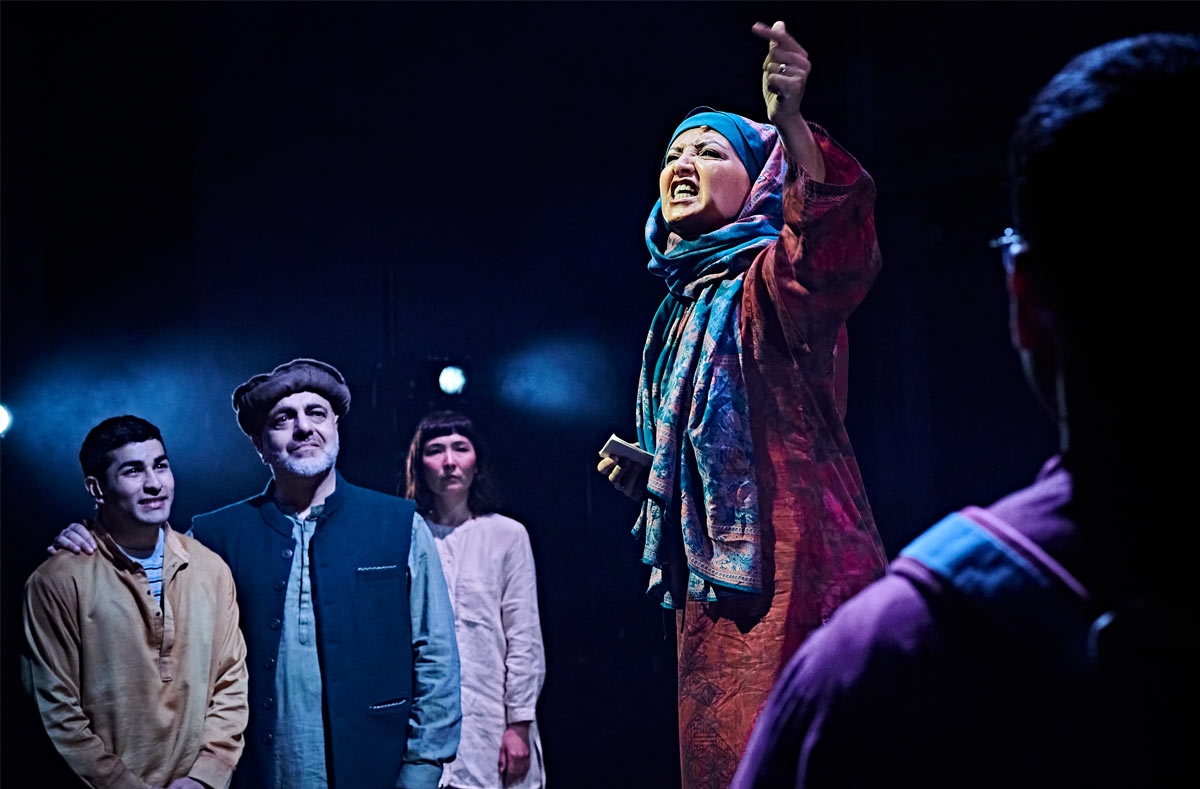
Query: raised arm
[
  {"x": 827, "y": 255},
  {"x": 228, "y": 710},
  {"x": 436, "y": 713},
  {"x": 50, "y": 667},
  {"x": 785, "y": 75}
]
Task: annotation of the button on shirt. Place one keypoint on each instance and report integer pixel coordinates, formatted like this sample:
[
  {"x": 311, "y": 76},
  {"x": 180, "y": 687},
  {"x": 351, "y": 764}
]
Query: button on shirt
[
  {"x": 153, "y": 567},
  {"x": 132, "y": 691},
  {"x": 300, "y": 729},
  {"x": 300, "y": 749}
]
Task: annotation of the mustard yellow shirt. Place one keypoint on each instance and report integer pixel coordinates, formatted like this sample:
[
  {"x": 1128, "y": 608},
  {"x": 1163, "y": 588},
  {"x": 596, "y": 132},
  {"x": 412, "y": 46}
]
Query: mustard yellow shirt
[{"x": 132, "y": 692}]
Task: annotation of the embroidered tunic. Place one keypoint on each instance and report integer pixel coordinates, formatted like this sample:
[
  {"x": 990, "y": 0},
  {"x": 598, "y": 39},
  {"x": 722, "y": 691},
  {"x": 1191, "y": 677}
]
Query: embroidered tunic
[{"x": 814, "y": 535}]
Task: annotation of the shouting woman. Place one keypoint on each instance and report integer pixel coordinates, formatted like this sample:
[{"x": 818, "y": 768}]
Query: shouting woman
[{"x": 755, "y": 521}]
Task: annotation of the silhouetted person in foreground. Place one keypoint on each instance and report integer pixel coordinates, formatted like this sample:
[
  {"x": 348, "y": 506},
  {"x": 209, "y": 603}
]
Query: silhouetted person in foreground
[{"x": 1041, "y": 641}]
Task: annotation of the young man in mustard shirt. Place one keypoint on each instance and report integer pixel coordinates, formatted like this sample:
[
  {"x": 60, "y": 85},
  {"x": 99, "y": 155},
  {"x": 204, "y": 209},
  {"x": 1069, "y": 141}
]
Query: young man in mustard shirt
[{"x": 133, "y": 652}]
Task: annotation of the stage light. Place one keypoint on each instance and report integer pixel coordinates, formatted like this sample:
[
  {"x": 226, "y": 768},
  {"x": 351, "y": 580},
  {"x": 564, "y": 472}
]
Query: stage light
[
  {"x": 5, "y": 419},
  {"x": 452, "y": 380}
]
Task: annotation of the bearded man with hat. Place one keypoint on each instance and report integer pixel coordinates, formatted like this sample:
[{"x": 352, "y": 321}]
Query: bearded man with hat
[{"x": 349, "y": 686}]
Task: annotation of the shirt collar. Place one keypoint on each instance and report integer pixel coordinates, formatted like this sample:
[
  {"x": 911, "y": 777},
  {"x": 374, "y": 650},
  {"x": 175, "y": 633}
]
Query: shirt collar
[
  {"x": 174, "y": 553},
  {"x": 280, "y": 522}
]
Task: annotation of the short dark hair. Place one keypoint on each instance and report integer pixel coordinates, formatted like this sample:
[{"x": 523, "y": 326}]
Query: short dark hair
[
  {"x": 484, "y": 497},
  {"x": 113, "y": 433},
  {"x": 1094, "y": 163}
]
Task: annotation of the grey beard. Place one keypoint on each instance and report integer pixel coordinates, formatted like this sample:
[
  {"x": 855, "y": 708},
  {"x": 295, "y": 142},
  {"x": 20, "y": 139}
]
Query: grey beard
[{"x": 308, "y": 467}]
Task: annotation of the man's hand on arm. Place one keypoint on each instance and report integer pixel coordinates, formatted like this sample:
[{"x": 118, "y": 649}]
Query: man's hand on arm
[{"x": 75, "y": 538}]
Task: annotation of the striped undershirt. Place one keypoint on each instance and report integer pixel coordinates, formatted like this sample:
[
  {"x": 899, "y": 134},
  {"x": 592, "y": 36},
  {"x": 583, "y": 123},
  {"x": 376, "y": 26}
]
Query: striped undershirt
[{"x": 153, "y": 565}]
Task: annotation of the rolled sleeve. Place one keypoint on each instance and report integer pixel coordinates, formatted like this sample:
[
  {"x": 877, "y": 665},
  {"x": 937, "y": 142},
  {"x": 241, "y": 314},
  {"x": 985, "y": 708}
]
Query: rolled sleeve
[{"x": 436, "y": 715}]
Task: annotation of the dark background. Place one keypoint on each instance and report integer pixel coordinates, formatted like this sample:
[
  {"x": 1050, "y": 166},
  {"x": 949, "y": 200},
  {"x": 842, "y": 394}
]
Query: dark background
[{"x": 195, "y": 193}]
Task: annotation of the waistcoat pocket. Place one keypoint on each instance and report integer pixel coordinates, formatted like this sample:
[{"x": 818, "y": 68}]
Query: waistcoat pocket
[
  {"x": 381, "y": 572},
  {"x": 388, "y": 707}
]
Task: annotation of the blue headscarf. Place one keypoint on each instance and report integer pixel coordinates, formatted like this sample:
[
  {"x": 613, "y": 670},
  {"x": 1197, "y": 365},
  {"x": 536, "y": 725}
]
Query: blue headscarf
[
  {"x": 700, "y": 519},
  {"x": 682, "y": 262},
  {"x": 744, "y": 138}
]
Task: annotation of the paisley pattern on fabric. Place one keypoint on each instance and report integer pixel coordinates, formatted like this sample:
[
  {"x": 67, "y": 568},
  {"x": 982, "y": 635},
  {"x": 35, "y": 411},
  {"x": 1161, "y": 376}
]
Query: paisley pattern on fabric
[
  {"x": 701, "y": 520},
  {"x": 814, "y": 537}
]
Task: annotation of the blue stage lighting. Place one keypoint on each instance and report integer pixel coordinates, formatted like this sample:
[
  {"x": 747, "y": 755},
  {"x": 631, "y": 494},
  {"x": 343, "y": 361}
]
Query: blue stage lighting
[
  {"x": 452, "y": 380},
  {"x": 568, "y": 377},
  {"x": 5, "y": 420}
]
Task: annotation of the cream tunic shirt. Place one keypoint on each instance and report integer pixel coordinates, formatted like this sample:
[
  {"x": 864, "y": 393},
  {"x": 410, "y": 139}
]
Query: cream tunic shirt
[{"x": 493, "y": 589}]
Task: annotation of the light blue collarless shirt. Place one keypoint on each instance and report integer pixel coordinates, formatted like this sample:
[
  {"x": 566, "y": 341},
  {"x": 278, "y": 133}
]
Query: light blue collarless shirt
[{"x": 300, "y": 727}]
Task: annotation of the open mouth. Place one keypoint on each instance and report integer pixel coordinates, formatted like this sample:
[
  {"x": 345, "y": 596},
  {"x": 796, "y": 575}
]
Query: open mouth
[
  {"x": 154, "y": 504},
  {"x": 684, "y": 190}
]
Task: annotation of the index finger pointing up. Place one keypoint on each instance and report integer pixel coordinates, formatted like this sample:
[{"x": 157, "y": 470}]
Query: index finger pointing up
[{"x": 778, "y": 36}]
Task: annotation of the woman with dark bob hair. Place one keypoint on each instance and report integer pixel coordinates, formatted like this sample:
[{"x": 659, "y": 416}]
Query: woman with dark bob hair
[
  {"x": 489, "y": 571},
  {"x": 755, "y": 521}
]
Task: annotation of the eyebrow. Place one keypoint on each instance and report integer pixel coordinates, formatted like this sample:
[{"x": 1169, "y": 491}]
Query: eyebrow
[
  {"x": 138, "y": 463},
  {"x": 451, "y": 442},
  {"x": 701, "y": 140}
]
